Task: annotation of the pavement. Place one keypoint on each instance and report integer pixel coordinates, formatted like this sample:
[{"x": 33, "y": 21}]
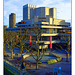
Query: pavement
[{"x": 46, "y": 68}]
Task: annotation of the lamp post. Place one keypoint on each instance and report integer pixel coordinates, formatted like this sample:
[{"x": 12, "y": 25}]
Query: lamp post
[{"x": 22, "y": 66}]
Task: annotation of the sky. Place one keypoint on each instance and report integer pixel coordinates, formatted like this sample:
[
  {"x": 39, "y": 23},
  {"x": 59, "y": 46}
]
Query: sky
[{"x": 16, "y": 6}]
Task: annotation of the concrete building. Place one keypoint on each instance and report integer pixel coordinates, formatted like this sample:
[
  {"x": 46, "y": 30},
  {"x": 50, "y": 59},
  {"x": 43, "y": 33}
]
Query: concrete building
[
  {"x": 12, "y": 20},
  {"x": 28, "y": 11},
  {"x": 45, "y": 19}
]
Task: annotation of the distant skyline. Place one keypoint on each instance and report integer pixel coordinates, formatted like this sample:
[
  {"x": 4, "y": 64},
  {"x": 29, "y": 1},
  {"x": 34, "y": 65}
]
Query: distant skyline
[{"x": 16, "y": 6}]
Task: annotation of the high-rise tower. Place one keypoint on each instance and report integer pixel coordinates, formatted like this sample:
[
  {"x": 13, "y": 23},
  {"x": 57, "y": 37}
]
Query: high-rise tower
[
  {"x": 28, "y": 11},
  {"x": 12, "y": 20}
]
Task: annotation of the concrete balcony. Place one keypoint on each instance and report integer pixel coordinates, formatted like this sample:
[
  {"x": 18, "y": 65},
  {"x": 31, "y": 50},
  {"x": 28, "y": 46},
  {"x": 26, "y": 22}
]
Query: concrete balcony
[
  {"x": 57, "y": 27},
  {"x": 44, "y": 46},
  {"x": 46, "y": 34},
  {"x": 48, "y": 42},
  {"x": 44, "y": 26}
]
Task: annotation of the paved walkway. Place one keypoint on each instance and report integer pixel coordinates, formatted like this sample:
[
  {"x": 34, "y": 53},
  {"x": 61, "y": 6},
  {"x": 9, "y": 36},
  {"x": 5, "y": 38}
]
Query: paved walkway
[{"x": 46, "y": 68}]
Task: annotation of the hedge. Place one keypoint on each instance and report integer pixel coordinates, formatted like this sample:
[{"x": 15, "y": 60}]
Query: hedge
[
  {"x": 51, "y": 61},
  {"x": 59, "y": 59}
]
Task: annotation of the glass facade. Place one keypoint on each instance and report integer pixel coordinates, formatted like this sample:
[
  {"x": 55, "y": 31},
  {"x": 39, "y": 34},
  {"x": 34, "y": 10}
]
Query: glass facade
[{"x": 25, "y": 13}]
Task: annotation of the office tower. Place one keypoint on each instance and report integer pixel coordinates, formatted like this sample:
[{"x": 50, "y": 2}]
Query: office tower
[
  {"x": 12, "y": 20},
  {"x": 41, "y": 12},
  {"x": 52, "y": 12},
  {"x": 28, "y": 11}
]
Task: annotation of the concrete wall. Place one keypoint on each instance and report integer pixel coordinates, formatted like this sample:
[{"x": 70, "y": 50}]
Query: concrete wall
[
  {"x": 46, "y": 11},
  {"x": 58, "y": 22},
  {"x": 35, "y": 18},
  {"x": 52, "y": 12},
  {"x": 42, "y": 11},
  {"x": 28, "y": 11}
]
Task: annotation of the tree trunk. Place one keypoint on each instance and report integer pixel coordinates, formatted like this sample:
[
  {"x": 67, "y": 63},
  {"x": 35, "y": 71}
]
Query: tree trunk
[
  {"x": 21, "y": 58},
  {"x": 42, "y": 49},
  {"x": 11, "y": 53},
  {"x": 67, "y": 57},
  {"x": 37, "y": 65},
  {"x": 21, "y": 50},
  {"x": 4, "y": 49},
  {"x": 22, "y": 66},
  {"x": 8, "y": 46},
  {"x": 37, "y": 59}
]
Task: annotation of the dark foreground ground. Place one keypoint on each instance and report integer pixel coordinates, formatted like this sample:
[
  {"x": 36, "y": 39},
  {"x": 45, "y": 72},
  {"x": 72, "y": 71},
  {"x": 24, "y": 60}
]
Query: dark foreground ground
[{"x": 46, "y": 69}]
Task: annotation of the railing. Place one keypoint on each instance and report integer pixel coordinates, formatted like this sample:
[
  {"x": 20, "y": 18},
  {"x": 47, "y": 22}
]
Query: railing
[
  {"x": 10, "y": 67},
  {"x": 16, "y": 71}
]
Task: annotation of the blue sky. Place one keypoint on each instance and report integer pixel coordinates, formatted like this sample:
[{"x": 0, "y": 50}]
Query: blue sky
[{"x": 16, "y": 6}]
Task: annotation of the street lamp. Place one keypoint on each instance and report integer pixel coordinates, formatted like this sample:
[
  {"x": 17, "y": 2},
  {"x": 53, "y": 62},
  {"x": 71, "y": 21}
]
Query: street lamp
[{"x": 22, "y": 66}]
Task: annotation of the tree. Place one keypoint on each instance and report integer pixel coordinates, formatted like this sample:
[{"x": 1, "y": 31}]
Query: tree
[
  {"x": 4, "y": 42},
  {"x": 12, "y": 41},
  {"x": 66, "y": 41},
  {"x": 35, "y": 44},
  {"x": 22, "y": 40},
  {"x": 23, "y": 43}
]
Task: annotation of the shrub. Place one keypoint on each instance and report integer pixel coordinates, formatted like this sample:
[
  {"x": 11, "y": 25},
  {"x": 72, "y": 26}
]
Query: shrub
[
  {"x": 51, "y": 61},
  {"x": 59, "y": 59},
  {"x": 40, "y": 62}
]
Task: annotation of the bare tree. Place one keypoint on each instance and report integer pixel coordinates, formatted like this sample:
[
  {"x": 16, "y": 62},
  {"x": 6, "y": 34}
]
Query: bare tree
[
  {"x": 22, "y": 40},
  {"x": 23, "y": 43},
  {"x": 66, "y": 41},
  {"x": 6, "y": 40},
  {"x": 12, "y": 41},
  {"x": 35, "y": 44}
]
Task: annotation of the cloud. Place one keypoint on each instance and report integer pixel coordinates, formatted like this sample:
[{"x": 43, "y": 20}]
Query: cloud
[
  {"x": 63, "y": 8},
  {"x": 12, "y": 6}
]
